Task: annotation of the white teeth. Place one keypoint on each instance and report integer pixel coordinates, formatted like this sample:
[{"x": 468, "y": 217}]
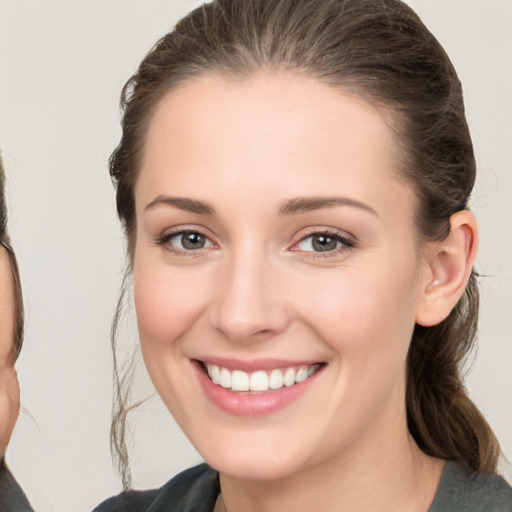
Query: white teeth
[
  {"x": 239, "y": 381},
  {"x": 225, "y": 378},
  {"x": 302, "y": 374},
  {"x": 214, "y": 373},
  {"x": 289, "y": 377},
  {"x": 259, "y": 381},
  {"x": 275, "y": 380}
]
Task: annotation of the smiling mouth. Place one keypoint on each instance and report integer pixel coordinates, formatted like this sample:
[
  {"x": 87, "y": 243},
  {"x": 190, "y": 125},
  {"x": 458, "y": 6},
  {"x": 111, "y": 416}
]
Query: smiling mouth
[{"x": 260, "y": 381}]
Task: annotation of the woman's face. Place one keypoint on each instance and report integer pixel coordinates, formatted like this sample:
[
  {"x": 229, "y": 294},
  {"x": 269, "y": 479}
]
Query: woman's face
[
  {"x": 9, "y": 389},
  {"x": 275, "y": 249}
]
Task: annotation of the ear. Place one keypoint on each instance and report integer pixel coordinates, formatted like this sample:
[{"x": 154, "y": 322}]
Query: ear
[{"x": 449, "y": 265}]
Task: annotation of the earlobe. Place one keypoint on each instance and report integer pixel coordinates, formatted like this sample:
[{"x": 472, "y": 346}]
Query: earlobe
[{"x": 450, "y": 263}]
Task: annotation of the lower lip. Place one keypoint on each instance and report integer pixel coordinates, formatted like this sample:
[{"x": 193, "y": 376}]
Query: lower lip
[{"x": 252, "y": 405}]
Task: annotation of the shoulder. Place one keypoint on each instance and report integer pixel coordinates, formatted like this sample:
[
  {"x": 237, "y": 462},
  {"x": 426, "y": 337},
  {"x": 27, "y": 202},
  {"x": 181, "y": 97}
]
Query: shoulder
[
  {"x": 466, "y": 491},
  {"x": 12, "y": 497},
  {"x": 194, "y": 489}
]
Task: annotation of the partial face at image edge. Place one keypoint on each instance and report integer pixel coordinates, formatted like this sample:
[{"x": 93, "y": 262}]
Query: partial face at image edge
[{"x": 9, "y": 389}]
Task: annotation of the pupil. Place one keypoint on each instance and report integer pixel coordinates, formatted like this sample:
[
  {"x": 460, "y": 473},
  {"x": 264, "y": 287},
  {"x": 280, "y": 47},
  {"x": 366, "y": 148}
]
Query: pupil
[
  {"x": 193, "y": 241},
  {"x": 322, "y": 243}
]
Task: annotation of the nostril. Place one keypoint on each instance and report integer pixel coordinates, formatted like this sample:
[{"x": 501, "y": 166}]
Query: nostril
[
  {"x": 245, "y": 333},
  {"x": 263, "y": 332}
]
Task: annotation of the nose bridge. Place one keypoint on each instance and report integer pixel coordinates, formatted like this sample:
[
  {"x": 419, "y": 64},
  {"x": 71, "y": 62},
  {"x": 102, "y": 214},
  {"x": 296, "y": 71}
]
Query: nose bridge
[{"x": 248, "y": 306}]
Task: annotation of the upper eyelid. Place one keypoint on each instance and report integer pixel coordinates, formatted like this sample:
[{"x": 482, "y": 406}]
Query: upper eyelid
[
  {"x": 170, "y": 232},
  {"x": 338, "y": 233}
]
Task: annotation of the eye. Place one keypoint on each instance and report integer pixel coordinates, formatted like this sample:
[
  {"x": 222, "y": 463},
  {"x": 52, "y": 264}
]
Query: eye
[
  {"x": 323, "y": 242},
  {"x": 187, "y": 241}
]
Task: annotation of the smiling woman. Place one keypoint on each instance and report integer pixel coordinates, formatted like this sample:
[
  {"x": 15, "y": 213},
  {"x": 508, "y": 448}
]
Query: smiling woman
[{"x": 293, "y": 179}]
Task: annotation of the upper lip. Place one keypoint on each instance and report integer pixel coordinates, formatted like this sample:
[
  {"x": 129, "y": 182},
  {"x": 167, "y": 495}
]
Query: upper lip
[{"x": 256, "y": 364}]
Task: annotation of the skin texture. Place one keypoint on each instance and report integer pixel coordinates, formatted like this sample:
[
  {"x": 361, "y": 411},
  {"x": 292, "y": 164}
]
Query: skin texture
[
  {"x": 9, "y": 389},
  {"x": 257, "y": 290}
]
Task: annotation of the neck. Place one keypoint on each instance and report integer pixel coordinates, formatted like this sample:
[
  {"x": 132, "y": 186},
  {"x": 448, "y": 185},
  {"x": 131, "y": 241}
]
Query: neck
[{"x": 381, "y": 473}]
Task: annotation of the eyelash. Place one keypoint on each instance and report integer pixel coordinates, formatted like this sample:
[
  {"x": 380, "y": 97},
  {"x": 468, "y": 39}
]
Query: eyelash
[
  {"x": 347, "y": 243},
  {"x": 164, "y": 239}
]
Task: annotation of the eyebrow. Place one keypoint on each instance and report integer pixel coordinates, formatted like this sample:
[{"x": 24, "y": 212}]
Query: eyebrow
[
  {"x": 290, "y": 207},
  {"x": 182, "y": 203},
  {"x": 306, "y": 204}
]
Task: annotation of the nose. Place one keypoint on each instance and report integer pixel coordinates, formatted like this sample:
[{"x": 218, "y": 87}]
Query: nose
[{"x": 248, "y": 306}]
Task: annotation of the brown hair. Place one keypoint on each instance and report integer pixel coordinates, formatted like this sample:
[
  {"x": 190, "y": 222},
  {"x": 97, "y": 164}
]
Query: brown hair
[
  {"x": 380, "y": 50},
  {"x": 6, "y": 244}
]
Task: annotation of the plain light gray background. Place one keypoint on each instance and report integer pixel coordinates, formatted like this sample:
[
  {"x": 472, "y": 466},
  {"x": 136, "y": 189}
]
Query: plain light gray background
[{"x": 62, "y": 66}]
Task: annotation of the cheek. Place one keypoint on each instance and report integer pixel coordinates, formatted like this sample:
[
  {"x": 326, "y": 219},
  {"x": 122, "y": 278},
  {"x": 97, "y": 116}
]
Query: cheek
[
  {"x": 365, "y": 310},
  {"x": 167, "y": 301},
  {"x": 367, "y": 319}
]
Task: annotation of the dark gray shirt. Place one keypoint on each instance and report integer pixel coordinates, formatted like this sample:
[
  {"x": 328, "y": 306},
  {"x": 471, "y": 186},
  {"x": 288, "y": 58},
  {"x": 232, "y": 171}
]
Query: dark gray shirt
[
  {"x": 12, "y": 498},
  {"x": 197, "y": 488},
  {"x": 463, "y": 491}
]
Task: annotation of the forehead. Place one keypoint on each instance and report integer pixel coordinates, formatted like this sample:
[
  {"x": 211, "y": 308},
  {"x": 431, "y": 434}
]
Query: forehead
[{"x": 284, "y": 132}]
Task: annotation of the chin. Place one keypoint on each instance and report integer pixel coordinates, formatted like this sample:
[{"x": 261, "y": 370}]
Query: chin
[
  {"x": 263, "y": 469},
  {"x": 259, "y": 460}
]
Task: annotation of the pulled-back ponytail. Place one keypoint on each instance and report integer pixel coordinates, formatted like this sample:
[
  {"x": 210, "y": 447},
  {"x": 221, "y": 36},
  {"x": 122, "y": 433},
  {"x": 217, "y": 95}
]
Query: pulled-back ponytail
[{"x": 441, "y": 417}]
